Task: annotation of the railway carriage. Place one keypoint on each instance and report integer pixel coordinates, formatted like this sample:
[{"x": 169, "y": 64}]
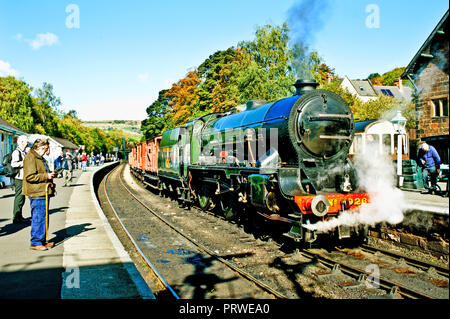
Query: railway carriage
[
  {"x": 143, "y": 161},
  {"x": 284, "y": 162}
]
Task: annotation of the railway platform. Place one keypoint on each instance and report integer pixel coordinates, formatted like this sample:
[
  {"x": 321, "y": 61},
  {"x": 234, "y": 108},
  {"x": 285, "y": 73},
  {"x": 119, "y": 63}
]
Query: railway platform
[
  {"x": 436, "y": 204},
  {"x": 87, "y": 262}
]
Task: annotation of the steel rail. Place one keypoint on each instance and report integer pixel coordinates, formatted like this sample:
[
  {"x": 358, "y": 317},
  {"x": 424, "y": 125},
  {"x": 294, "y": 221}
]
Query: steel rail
[
  {"x": 356, "y": 273},
  {"x": 208, "y": 251},
  {"x": 411, "y": 261},
  {"x": 155, "y": 271}
]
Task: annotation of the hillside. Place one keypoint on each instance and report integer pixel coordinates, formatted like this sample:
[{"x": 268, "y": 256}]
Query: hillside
[{"x": 131, "y": 128}]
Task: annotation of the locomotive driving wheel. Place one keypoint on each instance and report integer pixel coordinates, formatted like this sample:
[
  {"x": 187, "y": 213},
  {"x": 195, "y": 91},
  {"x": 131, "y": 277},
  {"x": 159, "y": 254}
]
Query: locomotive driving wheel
[
  {"x": 204, "y": 198},
  {"x": 228, "y": 206}
]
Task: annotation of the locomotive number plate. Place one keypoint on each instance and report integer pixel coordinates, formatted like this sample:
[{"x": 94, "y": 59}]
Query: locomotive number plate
[{"x": 353, "y": 201}]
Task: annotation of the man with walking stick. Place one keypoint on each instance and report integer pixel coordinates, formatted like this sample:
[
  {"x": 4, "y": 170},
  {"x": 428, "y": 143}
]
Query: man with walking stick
[{"x": 38, "y": 186}]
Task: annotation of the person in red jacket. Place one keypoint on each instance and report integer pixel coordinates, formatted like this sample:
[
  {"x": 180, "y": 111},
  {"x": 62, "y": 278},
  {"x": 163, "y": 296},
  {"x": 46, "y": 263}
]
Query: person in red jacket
[{"x": 84, "y": 160}]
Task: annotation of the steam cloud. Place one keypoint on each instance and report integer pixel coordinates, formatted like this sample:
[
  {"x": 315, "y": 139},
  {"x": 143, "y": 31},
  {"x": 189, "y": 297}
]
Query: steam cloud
[{"x": 376, "y": 174}]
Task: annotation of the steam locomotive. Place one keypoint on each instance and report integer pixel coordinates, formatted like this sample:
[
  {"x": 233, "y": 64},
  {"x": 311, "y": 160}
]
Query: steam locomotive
[{"x": 282, "y": 164}]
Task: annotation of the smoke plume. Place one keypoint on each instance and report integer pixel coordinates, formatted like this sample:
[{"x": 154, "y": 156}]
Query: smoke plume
[
  {"x": 376, "y": 174},
  {"x": 305, "y": 18}
]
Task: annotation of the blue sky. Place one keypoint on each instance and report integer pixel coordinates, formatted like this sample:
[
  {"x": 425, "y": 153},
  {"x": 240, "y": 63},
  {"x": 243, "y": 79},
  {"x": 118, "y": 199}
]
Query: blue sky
[{"x": 125, "y": 52}]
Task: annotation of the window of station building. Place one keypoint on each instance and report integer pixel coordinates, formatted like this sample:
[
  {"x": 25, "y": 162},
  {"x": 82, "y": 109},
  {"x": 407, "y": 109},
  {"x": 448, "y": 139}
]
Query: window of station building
[
  {"x": 356, "y": 145},
  {"x": 387, "y": 92},
  {"x": 440, "y": 107},
  {"x": 372, "y": 142},
  {"x": 386, "y": 138}
]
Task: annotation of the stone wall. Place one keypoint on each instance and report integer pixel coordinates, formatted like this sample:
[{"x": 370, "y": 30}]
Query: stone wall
[{"x": 433, "y": 81}]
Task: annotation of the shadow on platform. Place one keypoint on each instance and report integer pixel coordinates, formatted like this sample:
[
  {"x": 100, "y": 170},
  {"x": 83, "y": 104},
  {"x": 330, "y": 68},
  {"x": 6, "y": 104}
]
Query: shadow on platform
[
  {"x": 42, "y": 283},
  {"x": 102, "y": 281},
  {"x": 74, "y": 230},
  {"x": 13, "y": 228}
]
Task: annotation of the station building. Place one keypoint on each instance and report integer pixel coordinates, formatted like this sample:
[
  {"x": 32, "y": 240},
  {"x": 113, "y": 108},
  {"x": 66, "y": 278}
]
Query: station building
[
  {"x": 428, "y": 71},
  {"x": 8, "y": 142}
]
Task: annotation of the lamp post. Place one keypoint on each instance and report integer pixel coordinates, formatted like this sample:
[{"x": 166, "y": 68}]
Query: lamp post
[{"x": 399, "y": 123}]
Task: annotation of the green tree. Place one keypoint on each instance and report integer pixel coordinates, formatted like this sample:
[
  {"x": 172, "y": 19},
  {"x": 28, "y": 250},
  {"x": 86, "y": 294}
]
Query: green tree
[
  {"x": 155, "y": 122},
  {"x": 388, "y": 79},
  {"x": 391, "y": 77},
  {"x": 211, "y": 74},
  {"x": 269, "y": 76},
  {"x": 45, "y": 109},
  {"x": 226, "y": 94},
  {"x": 16, "y": 103},
  {"x": 335, "y": 86}
]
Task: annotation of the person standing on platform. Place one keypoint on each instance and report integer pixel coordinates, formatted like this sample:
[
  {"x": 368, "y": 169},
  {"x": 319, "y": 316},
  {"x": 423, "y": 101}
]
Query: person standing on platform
[
  {"x": 430, "y": 163},
  {"x": 58, "y": 161},
  {"x": 84, "y": 160},
  {"x": 74, "y": 160},
  {"x": 36, "y": 176},
  {"x": 67, "y": 165},
  {"x": 17, "y": 158}
]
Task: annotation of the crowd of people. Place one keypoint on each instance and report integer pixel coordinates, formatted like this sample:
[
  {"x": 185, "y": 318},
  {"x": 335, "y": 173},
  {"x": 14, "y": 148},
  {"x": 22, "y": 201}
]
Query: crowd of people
[
  {"x": 78, "y": 160},
  {"x": 34, "y": 179}
]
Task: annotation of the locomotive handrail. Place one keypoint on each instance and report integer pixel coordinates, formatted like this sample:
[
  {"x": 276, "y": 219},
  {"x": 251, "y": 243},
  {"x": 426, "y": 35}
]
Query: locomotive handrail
[
  {"x": 335, "y": 137},
  {"x": 258, "y": 122},
  {"x": 330, "y": 117}
]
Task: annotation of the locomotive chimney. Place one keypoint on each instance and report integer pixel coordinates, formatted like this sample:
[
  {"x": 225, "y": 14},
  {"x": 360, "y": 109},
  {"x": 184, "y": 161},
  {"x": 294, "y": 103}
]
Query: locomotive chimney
[{"x": 303, "y": 86}]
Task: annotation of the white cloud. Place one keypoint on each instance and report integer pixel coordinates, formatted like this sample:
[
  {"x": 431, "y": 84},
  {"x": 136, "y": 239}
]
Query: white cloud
[
  {"x": 143, "y": 77},
  {"x": 6, "y": 69},
  {"x": 18, "y": 37},
  {"x": 43, "y": 39},
  {"x": 115, "y": 109}
]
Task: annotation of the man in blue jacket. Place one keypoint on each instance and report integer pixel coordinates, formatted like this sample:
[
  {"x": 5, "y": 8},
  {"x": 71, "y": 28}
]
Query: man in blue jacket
[{"x": 430, "y": 162}]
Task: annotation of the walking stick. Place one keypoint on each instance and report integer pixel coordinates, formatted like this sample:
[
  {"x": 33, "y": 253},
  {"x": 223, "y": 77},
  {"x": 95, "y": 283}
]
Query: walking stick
[{"x": 46, "y": 209}]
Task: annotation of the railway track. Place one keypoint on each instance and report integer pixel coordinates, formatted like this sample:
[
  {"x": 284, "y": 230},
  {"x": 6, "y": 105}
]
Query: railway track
[
  {"x": 361, "y": 276},
  {"x": 425, "y": 266},
  {"x": 290, "y": 265},
  {"x": 203, "y": 249},
  {"x": 160, "y": 278}
]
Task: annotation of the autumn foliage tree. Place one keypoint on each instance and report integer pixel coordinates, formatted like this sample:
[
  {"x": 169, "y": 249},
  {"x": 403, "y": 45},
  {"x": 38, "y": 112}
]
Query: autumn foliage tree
[
  {"x": 389, "y": 78},
  {"x": 183, "y": 100}
]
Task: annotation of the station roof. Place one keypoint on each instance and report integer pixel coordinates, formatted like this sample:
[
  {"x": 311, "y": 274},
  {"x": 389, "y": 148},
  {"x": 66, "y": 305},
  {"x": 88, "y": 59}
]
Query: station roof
[
  {"x": 65, "y": 143},
  {"x": 361, "y": 126},
  {"x": 424, "y": 53},
  {"x": 8, "y": 127}
]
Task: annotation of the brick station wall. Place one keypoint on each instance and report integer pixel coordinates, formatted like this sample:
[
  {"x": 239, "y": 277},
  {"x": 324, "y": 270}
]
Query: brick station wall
[
  {"x": 433, "y": 79},
  {"x": 425, "y": 231},
  {"x": 436, "y": 246}
]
